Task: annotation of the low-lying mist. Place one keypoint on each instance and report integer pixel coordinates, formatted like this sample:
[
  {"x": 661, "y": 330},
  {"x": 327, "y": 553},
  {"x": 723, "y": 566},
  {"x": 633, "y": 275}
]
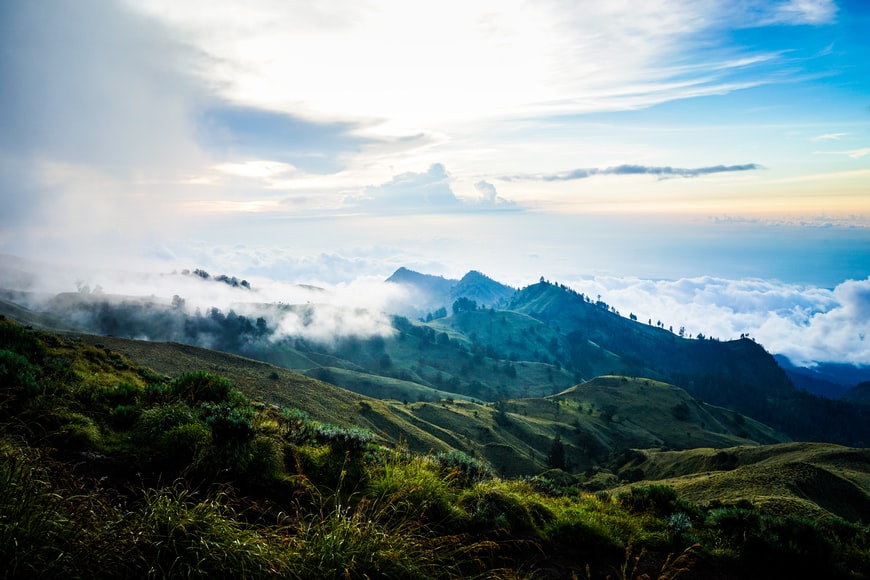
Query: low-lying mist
[{"x": 214, "y": 310}]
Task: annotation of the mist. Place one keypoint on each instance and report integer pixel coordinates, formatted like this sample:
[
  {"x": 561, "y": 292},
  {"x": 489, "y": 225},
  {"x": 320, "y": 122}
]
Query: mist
[{"x": 194, "y": 305}]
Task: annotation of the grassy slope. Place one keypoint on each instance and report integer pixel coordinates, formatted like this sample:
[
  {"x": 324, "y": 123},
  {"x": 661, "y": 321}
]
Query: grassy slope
[
  {"x": 516, "y": 445},
  {"x": 810, "y": 479}
]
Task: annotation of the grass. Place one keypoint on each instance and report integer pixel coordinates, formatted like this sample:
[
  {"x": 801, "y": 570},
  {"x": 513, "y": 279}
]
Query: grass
[{"x": 200, "y": 480}]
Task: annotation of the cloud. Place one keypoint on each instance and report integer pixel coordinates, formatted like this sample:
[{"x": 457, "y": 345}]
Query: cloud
[
  {"x": 662, "y": 172},
  {"x": 806, "y": 323},
  {"x": 797, "y": 12},
  {"x": 235, "y": 131},
  {"x": 829, "y": 137},
  {"x": 425, "y": 192},
  {"x": 489, "y": 196},
  {"x": 326, "y": 312},
  {"x": 853, "y": 153}
]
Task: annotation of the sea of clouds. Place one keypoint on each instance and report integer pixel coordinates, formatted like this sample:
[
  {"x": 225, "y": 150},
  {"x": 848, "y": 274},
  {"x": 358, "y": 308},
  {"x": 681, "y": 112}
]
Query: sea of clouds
[{"x": 808, "y": 324}]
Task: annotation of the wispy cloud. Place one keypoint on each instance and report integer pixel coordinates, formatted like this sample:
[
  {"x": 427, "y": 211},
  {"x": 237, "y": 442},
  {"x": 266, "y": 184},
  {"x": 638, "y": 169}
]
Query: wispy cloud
[
  {"x": 853, "y": 153},
  {"x": 661, "y": 172},
  {"x": 829, "y": 137}
]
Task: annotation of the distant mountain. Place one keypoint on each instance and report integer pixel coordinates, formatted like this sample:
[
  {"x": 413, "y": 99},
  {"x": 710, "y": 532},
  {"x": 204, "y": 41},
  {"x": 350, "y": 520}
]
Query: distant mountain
[
  {"x": 539, "y": 342},
  {"x": 860, "y": 393},
  {"x": 428, "y": 294},
  {"x": 832, "y": 380}
]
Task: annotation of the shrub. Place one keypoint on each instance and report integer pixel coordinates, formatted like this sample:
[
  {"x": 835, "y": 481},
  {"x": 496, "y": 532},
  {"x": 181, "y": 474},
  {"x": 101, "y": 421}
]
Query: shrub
[
  {"x": 200, "y": 386},
  {"x": 124, "y": 416},
  {"x": 659, "y": 500},
  {"x": 152, "y": 423},
  {"x": 21, "y": 341},
  {"x": 467, "y": 470},
  {"x": 340, "y": 439},
  {"x": 77, "y": 432},
  {"x": 183, "y": 442},
  {"x": 494, "y": 508},
  {"x": 228, "y": 422},
  {"x": 295, "y": 427},
  {"x": 267, "y": 459},
  {"x": 16, "y": 372}
]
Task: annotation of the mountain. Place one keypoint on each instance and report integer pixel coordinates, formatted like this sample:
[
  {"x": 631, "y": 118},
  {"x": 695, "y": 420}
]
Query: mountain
[
  {"x": 428, "y": 294},
  {"x": 543, "y": 340},
  {"x": 860, "y": 393},
  {"x": 830, "y": 380}
]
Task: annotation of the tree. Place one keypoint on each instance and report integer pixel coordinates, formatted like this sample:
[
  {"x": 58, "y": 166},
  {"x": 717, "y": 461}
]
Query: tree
[
  {"x": 464, "y": 304},
  {"x": 556, "y": 457}
]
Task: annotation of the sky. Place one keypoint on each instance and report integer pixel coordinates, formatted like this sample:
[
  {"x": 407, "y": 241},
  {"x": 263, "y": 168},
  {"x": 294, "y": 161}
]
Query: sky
[{"x": 703, "y": 161}]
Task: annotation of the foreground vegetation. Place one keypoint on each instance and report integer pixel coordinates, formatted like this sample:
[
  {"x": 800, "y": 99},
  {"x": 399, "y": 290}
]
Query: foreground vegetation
[{"x": 108, "y": 469}]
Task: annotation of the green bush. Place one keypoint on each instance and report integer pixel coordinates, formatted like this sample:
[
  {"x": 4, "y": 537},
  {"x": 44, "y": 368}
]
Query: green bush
[
  {"x": 267, "y": 459},
  {"x": 228, "y": 422},
  {"x": 153, "y": 423},
  {"x": 199, "y": 386},
  {"x": 659, "y": 500},
  {"x": 77, "y": 432},
  {"x": 21, "y": 341},
  {"x": 183, "y": 442},
  {"x": 124, "y": 416},
  {"x": 16, "y": 372},
  {"x": 467, "y": 470}
]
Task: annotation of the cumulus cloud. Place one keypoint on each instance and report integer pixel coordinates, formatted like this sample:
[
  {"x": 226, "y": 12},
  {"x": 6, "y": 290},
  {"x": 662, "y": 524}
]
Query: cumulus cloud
[
  {"x": 424, "y": 192},
  {"x": 489, "y": 196},
  {"x": 807, "y": 324},
  {"x": 661, "y": 172}
]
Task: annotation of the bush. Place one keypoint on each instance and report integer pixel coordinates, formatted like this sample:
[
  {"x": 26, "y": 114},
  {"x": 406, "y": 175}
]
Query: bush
[
  {"x": 153, "y": 423},
  {"x": 183, "y": 442},
  {"x": 228, "y": 422},
  {"x": 659, "y": 500},
  {"x": 77, "y": 432},
  {"x": 124, "y": 416},
  {"x": 467, "y": 470},
  {"x": 200, "y": 386},
  {"x": 16, "y": 372},
  {"x": 353, "y": 440},
  {"x": 21, "y": 341}
]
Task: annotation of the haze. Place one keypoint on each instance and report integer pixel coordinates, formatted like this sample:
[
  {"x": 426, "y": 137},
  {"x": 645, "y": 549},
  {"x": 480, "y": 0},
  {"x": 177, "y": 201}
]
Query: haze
[{"x": 706, "y": 163}]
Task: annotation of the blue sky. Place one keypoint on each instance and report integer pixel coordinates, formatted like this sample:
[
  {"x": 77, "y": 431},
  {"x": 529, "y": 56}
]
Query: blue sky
[{"x": 663, "y": 140}]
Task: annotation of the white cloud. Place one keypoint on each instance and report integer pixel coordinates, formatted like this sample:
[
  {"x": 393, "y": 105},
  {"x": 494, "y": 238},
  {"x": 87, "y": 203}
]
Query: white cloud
[
  {"x": 415, "y": 65},
  {"x": 829, "y": 137},
  {"x": 807, "y": 324}
]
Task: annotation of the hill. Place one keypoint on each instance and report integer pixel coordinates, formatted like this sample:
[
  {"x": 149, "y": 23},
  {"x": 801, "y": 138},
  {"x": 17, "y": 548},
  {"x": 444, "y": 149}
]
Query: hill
[
  {"x": 811, "y": 479},
  {"x": 545, "y": 339},
  {"x": 428, "y": 294},
  {"x": 108, "y": 467},
  {"x": 594, "y": 420}
]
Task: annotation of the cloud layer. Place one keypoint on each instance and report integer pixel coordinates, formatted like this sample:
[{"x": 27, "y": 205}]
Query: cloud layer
[
  {"x": 807, "y": 324},
  {"x": 661, "y": 172}
]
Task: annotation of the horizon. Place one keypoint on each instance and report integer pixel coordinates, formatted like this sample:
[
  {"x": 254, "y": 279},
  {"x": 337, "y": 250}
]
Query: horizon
[{"x": 707, "y": 162}]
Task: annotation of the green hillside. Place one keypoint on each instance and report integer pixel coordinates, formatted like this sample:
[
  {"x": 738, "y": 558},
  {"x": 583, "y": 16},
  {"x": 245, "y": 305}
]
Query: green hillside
[
  {"x": 812, "y": 479},
  {"x": 208, "y": 464}
]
